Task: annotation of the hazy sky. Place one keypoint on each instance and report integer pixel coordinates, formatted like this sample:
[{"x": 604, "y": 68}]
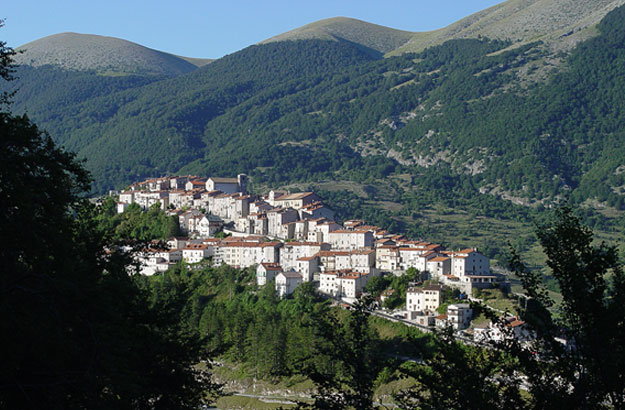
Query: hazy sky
[{"x": 211, "y": 29}]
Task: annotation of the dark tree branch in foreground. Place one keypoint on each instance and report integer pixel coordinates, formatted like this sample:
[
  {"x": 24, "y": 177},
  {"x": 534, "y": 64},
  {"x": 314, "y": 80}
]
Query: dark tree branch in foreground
[
  {"x": 77, "y": 331},
  {"x": 577, "y": 360}
]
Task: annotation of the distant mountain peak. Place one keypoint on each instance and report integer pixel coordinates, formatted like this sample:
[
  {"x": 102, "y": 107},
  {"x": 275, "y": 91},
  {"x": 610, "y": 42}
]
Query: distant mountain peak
[
  {"x": 561, "y": 23},
  {"x": 83, "y": 52},
  {"x": 372, "y": 36}
]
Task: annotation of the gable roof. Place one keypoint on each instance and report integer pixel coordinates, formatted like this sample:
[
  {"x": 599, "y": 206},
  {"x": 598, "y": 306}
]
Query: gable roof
[
  {"x": 219, "y": 180},
  {"x": 290, "y": 197},
  {"x": 272, "y": 266},
  {"x": 468, "y": 250},
  {"x": 291, "y": 275}
]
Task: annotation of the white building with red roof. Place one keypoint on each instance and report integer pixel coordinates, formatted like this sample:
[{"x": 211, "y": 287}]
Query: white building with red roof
[
  {"x": 227, "y": 185},
  {"x": 145, "y": 199},
  {"x": 343, "y": 284},
  {"x": 316, "y": 210},
  {"x": 195, "y": 183},
  {"x": 278, "y": 217},
  {"x": 426, "y": 298},
  {"x": 415, "y": 258},
  {"x": 359, "y": 260},
  {"x": 319, "y": 229},
  {"x": 266, "y": 272},
  {"x": 469, "y": 262},
  {"x": 388, "y": 257},
  {"x": 196, "y": 252},
  {"x": 242, "y": 254},
  {"x": 291, "y": 252},
  {"x": 459, "y": 315},
  {"x": 127, "y": 197},
  {"x": 439, "y": 266},
  {"x": 308, "y": 267},
  {"x": 297, "y": 200}
]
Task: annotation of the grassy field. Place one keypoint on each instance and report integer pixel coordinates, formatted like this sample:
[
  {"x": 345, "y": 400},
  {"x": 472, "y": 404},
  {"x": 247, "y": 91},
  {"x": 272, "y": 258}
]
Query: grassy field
[
  {"x": 241, "y": 402},
  {"x": 496, "y": 299}
]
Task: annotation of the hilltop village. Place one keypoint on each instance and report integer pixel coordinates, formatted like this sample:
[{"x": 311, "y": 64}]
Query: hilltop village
[{"x": 293, "y": 238}]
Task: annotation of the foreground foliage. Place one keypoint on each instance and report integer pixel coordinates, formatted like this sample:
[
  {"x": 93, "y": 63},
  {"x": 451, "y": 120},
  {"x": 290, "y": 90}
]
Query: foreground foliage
[
  {"x": 340, "y": 351},
  {"x": 578, "y": 358},
  {"x": 77, "y": 331}
]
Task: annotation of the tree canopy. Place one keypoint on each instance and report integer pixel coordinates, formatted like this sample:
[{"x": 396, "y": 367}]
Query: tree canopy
[
  {"x": 576, "y": 361},
  {"x": 77, "y": 331}
]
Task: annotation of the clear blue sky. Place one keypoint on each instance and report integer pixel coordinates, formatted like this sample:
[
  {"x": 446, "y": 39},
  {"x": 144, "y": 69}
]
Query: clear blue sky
[{"x": 211, "y": 29}]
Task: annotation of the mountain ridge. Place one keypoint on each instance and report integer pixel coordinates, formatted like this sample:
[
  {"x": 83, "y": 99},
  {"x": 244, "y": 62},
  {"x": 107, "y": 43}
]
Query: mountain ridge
[
  {"x": 562, "y": 22},
  {"x": 103, "y": 54},
  {"x": 379, "y": 38},
  {"x": 455, "y": 121}
]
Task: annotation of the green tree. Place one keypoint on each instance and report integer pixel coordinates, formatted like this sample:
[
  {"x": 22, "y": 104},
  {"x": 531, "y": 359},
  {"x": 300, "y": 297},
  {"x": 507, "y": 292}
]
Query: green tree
[
  {"x": 588, "y": 372},
  {"x": 77, "y": 331},
  {"x": 135, "y": 223},
  {"x": 463, "y": 377},
  {"x": 347, "y": 361}
]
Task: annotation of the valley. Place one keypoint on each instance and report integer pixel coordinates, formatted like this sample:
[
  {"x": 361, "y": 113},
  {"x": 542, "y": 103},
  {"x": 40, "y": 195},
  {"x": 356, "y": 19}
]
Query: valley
[
  {"x": 418, "y": 219},
  {"x": 481, "y": 126}
]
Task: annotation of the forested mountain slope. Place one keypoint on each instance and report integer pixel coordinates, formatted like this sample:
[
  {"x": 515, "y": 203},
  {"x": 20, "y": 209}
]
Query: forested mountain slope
[
  {"x": 160, "y": 127},
  {"x": 464, "y": 122}
]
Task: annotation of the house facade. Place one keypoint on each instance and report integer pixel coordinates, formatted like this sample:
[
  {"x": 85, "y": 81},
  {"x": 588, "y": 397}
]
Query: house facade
[
  {"x": 266, "y": 272},
  {"x": 427, "y": 298},
  {"x": 286, "y": 282}
]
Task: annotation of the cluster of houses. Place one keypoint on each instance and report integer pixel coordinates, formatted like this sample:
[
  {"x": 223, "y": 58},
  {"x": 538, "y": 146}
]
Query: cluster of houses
[
  {"x": 423, "y": 302},
  {"x": 293, "y": 238}
]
